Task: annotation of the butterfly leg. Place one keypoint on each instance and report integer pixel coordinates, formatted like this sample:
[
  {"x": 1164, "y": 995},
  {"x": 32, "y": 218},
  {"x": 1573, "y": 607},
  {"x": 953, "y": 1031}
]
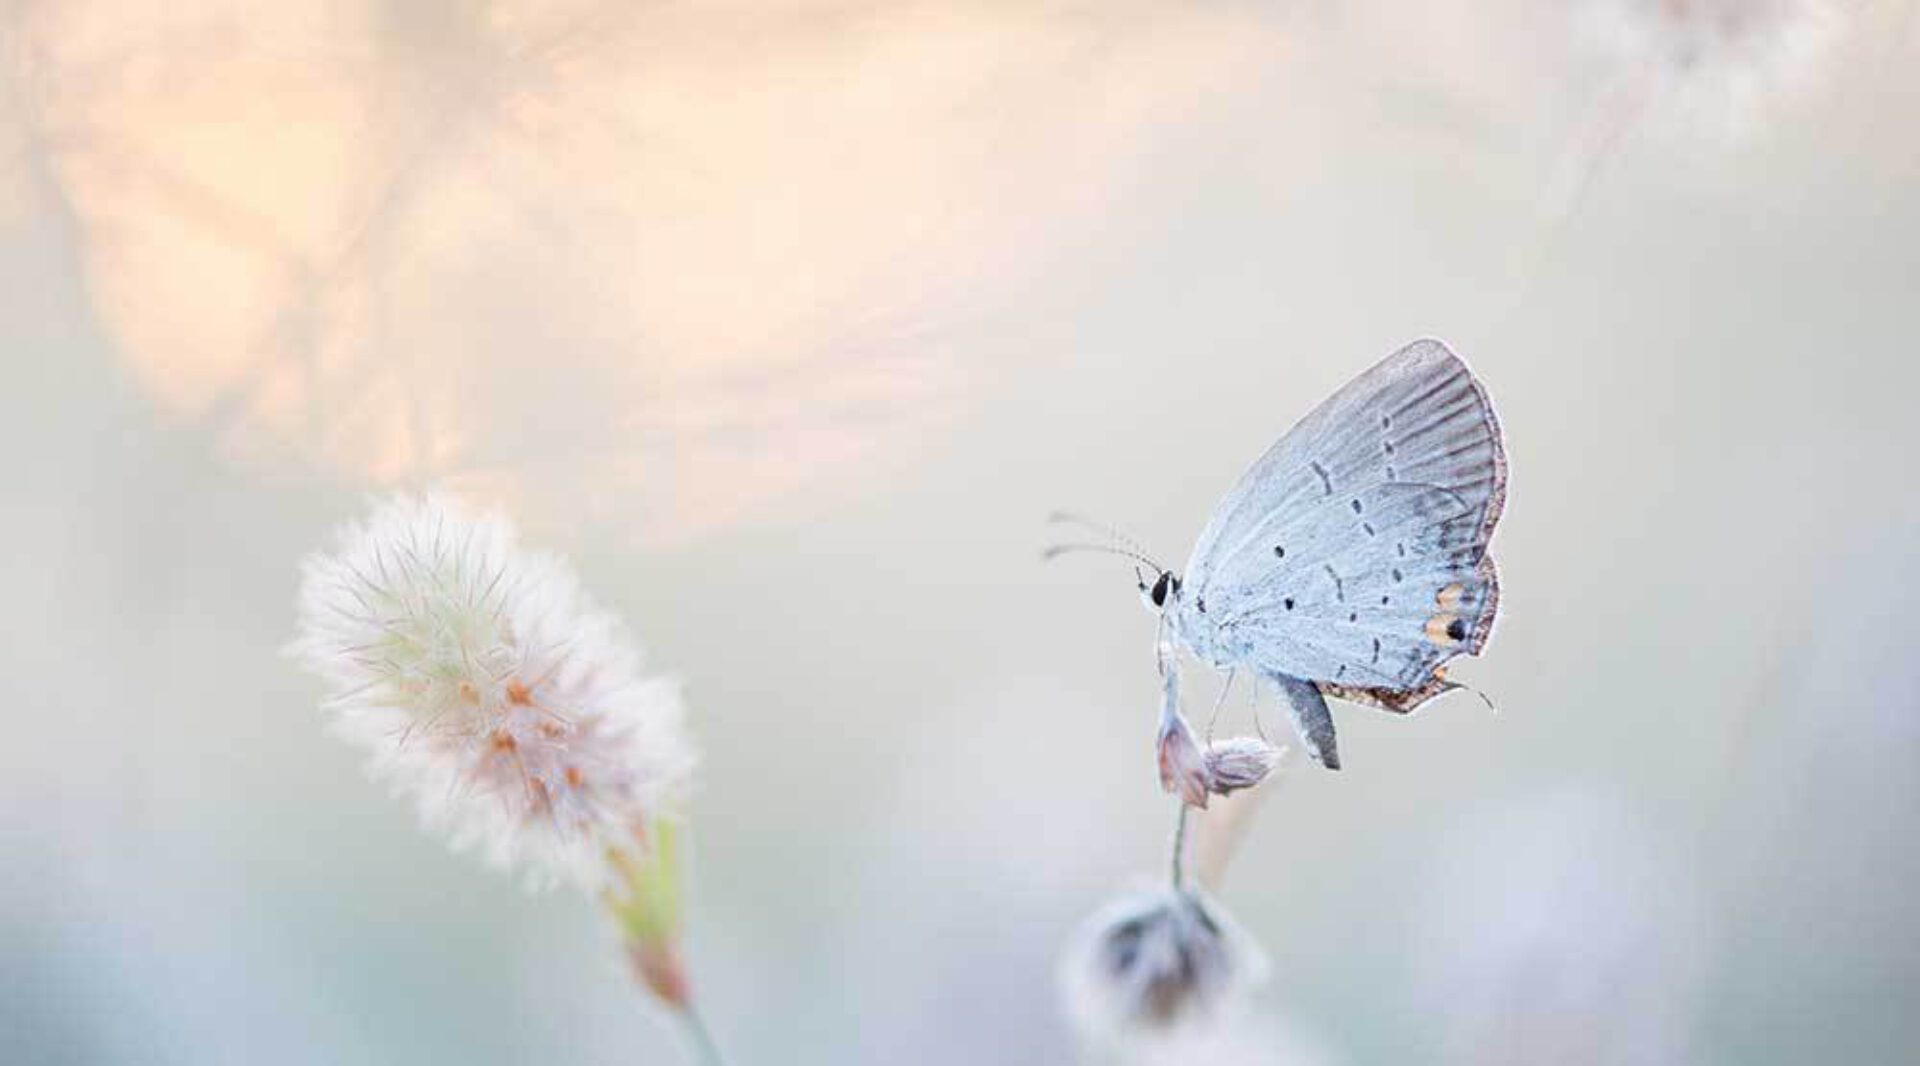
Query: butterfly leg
[
  {"x": 1311, "y": 719},
  {"x": 1214, "y": 718}
]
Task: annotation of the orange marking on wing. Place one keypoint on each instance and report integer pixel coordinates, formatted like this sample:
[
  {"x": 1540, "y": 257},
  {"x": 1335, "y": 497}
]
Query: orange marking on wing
[{"x": 1440, "y": 629}]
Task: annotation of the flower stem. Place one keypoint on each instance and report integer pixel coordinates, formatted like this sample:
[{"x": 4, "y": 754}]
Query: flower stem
[
  {"x": 705, "y": 1051},
  {"x": 1180, "y": 849}
]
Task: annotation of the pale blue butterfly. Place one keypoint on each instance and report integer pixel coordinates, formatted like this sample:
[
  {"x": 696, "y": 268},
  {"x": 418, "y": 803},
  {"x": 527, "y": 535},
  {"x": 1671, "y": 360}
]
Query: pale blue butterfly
[{"x": 1350, "y": 561}]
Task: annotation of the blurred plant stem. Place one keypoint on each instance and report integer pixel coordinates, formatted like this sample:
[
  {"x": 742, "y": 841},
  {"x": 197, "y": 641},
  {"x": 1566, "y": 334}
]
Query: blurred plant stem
[
  {"x": 1179, "y": 863},
  {"x": 705, "y": 1051},
  {"x": 650, "y": 906}
]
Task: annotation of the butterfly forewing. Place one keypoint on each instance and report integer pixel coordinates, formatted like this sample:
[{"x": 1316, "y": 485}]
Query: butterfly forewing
[{"x": 1354, "y": 551}]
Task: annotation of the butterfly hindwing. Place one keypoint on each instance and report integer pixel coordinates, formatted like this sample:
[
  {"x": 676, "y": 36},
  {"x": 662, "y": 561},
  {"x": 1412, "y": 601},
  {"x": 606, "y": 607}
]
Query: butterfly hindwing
[{"x": 1353, "y": 553}]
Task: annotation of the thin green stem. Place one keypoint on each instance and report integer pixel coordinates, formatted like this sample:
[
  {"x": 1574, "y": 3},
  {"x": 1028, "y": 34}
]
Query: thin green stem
[{"x": 705, "y": 1051}]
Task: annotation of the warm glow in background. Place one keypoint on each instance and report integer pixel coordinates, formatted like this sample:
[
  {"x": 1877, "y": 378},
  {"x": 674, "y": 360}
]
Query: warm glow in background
[{"x": 789, "y": 324}]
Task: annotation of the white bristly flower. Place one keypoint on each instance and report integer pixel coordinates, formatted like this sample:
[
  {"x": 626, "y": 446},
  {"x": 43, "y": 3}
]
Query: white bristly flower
[
  {"x": 486, "y": 686},
  {"x": 1154, "y": 964},
  {"x": 1722, "y": 58}
]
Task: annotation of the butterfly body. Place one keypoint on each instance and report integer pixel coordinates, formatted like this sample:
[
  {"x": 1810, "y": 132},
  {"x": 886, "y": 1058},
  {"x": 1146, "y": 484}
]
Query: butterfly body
[{"x": 1351, "y": 559}]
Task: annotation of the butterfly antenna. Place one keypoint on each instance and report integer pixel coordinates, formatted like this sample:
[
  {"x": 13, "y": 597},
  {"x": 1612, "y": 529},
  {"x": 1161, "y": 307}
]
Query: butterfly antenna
[
  {"x": 1114, "y": 536},
  {"x": 1117, "y": 543},
  {"x": 1109, "y": 549}
]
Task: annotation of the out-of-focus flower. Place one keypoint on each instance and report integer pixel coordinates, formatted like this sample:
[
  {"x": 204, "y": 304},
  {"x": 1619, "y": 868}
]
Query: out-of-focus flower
[
  {"x": 327, "y": 233},
  {"x": 1252, "y": 1039},
  {"x": 486, "y": 686},
  {"x": 1218, "y": 835},
  {"x": 1720, "y": 58},
  {"x": 1239, "y": 763},
  {"x": 1560, "y": 929},
  {"x": 1156, "y": 963}
]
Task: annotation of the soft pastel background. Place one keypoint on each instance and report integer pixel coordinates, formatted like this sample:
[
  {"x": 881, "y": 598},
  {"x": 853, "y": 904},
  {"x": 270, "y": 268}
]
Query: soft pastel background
[{"x": 790, "y": 324}]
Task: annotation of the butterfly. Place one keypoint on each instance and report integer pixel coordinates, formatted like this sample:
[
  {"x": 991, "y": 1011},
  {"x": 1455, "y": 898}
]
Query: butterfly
[{"x": 1350, "y": 561}]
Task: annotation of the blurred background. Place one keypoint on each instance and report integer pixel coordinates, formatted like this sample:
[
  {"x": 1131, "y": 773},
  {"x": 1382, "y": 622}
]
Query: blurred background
[{"x": 790, "y": 324}]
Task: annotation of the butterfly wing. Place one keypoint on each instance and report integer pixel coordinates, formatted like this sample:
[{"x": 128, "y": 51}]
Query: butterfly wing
[{"x": 1354, "y": 553}]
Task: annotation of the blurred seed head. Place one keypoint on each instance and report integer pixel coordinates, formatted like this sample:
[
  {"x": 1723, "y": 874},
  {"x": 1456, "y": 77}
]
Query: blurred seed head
[
  {"x": 484, "y": 684},
  {"x": 1153, "y": 964},
  {"x": 1722, "y": 58}
]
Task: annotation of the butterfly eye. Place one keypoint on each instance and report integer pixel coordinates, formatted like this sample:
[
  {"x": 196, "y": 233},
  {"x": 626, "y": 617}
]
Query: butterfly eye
[{"x": 1160, "y": 588}]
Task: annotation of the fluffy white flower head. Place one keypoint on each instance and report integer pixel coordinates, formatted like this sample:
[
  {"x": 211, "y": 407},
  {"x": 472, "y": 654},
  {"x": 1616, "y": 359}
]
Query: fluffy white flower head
[
  {"x": 1722, "y": 58},
  {"x": 1155, "y": 965},
  {"x": 486, "y": 686}
]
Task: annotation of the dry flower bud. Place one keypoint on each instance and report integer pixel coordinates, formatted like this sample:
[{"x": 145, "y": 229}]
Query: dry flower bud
[
  {"x": 1183, "y": 766},
  {"x": 659, "y": 967},
  {"x": 1239, "y": 762}
]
